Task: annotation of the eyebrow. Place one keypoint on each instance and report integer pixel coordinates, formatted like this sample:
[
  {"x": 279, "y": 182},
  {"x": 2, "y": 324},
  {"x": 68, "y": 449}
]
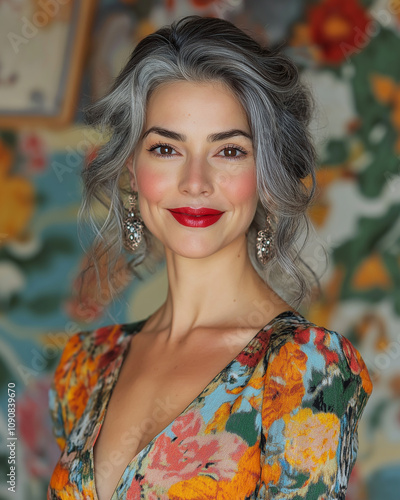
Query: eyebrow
[{"x": 219, "y": 136}]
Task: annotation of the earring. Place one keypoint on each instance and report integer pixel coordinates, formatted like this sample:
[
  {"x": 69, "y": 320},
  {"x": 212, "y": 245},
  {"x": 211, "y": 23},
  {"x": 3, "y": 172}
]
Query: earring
[
  {"x": 265, "y": 243},
  {"x": 133, "y": 226}
]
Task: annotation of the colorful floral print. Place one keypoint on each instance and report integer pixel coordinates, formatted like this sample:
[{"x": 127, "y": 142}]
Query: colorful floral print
[{"x": 278, "y": 422}]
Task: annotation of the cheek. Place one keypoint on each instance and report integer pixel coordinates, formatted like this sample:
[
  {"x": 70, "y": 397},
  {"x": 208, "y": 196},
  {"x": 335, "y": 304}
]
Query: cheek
[
  {"x": 151, "y": 184},
  {"x": 243, "y": 187}
]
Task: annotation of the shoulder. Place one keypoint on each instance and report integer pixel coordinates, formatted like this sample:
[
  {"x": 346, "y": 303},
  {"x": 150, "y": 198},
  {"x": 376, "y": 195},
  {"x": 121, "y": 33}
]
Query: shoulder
[
  {"x": 314, "y": 377},
  {"x": 317, "y": 352},
  {"x": 89, "y": 350},
  {"x": 85, "y": 347},
  {"x": 83, "y": 363}
]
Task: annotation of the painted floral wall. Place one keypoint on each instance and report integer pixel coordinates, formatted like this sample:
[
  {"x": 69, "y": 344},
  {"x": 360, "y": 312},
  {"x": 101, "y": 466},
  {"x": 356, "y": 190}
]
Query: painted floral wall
[{"x": 348, "y": 51}]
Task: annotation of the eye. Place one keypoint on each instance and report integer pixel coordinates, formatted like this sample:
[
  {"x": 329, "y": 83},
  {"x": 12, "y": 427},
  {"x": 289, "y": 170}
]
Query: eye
[
  {"x": 162, "y": 150},
  {"x": 232, "y": 152}
]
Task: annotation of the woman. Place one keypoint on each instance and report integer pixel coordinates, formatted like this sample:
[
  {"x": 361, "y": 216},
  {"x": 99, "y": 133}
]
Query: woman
[{"x": 225, "y": 391}]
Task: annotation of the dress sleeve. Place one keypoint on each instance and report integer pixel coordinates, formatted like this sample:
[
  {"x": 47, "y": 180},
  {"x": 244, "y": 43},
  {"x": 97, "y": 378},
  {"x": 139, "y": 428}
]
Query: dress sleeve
[
  {"x": 63, "y": 388},
  {"x": 56, "y": 416},
  {"x": 316, "y": 388}
]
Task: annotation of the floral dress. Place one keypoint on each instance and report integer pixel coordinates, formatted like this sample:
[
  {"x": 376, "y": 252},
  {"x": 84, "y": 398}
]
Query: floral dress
[{"x": 278, "y": 422}]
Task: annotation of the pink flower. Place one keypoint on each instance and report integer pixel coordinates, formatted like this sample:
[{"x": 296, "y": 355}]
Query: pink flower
[
  {"x": 193, "y": 452},
  {"x": 134, "y": 491}
]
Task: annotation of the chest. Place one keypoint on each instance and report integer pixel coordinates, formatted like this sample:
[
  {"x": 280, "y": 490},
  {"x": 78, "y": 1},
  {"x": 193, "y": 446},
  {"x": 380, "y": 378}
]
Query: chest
[{"x": 153, "y": 388}]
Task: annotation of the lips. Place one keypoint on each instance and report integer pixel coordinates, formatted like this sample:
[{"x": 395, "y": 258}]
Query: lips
[
  {"x": 196, "y": 211},
  {"x": 196, "y": 217}
]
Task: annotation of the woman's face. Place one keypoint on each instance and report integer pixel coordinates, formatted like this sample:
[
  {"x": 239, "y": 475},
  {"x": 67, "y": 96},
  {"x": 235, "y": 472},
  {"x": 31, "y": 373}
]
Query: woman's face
[{"x": 196, "y": 152}]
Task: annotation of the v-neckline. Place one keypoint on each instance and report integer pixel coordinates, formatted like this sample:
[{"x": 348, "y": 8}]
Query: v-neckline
[{"x": 123, "y": 354}]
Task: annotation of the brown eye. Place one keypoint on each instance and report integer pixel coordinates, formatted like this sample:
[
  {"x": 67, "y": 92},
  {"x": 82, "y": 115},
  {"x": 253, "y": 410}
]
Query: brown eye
[
  {"x": 162, "y": 150},
  {"x": 166, "y": 150},
  {"x": 232, "y": 153},
  {"x": 229, "y": 152}
]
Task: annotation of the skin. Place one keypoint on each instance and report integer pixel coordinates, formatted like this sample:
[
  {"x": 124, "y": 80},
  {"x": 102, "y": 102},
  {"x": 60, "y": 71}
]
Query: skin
[{"x": 212, "y": 283}]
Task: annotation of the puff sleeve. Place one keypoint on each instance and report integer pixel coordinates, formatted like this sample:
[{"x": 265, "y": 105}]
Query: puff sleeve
[{"x": 316, "y": 388}]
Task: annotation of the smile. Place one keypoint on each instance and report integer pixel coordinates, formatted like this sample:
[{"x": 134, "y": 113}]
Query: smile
[{"x": 202, "y": 217}]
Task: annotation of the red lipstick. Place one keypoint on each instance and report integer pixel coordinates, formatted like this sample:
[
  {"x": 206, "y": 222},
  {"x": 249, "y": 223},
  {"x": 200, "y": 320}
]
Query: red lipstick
[{"x": 196, "y": 217}]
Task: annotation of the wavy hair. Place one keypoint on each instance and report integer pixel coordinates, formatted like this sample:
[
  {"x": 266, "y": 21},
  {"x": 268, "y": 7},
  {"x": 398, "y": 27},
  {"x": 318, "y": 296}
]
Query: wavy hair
[{"x": 278, "y": 106}]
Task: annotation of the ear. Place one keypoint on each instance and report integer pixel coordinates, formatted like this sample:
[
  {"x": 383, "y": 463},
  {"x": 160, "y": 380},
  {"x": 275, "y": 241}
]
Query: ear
[{"x": 132, "y": 177}]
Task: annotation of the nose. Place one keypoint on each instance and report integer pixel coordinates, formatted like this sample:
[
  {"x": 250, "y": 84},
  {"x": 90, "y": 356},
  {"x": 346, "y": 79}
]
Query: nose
[{"x": 196, "y": 177}]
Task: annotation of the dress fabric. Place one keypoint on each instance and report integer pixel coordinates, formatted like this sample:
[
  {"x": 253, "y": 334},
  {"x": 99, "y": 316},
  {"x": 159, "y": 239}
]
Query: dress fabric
[{"x": 278, "y": 422}]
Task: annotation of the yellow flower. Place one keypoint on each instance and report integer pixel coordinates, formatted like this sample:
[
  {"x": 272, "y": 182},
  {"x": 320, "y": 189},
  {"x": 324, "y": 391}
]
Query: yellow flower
[
  {"x": 16, "y": 198},
  {"x": 311, "y": 439}
]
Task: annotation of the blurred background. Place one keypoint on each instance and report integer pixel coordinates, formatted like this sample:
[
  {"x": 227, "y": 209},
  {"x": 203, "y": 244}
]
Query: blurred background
[{"x": 58, "y": 55}]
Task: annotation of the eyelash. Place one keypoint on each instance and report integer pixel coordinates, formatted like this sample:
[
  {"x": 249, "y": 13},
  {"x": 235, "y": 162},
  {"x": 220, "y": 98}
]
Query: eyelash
[{"x": 165, "y": 145}]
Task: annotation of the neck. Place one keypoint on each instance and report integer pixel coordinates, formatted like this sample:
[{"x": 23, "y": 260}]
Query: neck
[{"x": 219, "y": 291}]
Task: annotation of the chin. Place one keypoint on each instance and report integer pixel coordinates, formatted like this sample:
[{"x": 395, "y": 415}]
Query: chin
[{"x": 192, "y": 252}]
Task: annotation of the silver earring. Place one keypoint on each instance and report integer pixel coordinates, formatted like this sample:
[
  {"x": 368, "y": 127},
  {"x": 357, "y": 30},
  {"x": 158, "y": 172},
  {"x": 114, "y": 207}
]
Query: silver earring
[
  {"x": 133, "y": 226},
  {"x": 265, "y": 243}
]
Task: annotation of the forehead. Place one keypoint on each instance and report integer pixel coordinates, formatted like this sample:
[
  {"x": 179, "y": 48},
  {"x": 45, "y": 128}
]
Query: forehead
[{"x": 197, "y": 102}]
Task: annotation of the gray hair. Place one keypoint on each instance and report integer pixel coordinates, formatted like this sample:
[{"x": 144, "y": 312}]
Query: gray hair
[{"x": 278, "y": 106}]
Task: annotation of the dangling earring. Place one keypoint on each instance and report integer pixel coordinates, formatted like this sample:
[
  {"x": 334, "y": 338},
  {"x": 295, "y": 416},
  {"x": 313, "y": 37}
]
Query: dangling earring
[
  {"x": 133, "y": 226},
  {"x": 265, "y": 243}
]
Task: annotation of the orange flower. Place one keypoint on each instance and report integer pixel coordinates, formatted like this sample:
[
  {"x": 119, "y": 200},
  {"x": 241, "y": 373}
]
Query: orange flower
[
  {"x": 394, "y": 7},
  {"x": 284, "y": 388},
  {"x": 63, "y": 370},
  {"x": 77, "y": 399},
  {"x": 218, "y": 422},
  {"x": 60, "y": 477},
  {"x": 66, "y": 377},
  {"x": 387, "y": 92},
  {"x": 242, "y": 484},
  {"x": 271, "y": 473},
  {"x": 198, "y": 487},
  {"x": 372, "y": 273},
  {"x": 366, "y": 379},
  {"x": 245, "y": 480}
]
